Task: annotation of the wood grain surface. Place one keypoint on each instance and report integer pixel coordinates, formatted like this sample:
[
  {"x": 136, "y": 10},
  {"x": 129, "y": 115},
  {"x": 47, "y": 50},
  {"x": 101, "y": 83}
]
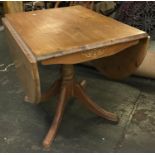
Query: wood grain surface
[
  {"x": 13, "y": 6},
  {"x": 89, "y": 55},
  {"x": 60, "y": 31},
  {"x": 124, "y": 63},
  {"x": 25, "y": 63}
]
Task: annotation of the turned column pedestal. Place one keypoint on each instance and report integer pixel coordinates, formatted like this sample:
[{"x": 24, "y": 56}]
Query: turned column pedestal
[{"x": 64, "y": 88}]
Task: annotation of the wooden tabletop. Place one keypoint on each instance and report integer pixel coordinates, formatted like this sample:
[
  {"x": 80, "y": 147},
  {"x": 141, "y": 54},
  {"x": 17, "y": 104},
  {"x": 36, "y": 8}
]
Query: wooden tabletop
[{"x": 60, "y": 31}]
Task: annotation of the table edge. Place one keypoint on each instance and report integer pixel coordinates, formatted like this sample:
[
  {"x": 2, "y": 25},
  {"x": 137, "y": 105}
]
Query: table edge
[
  {"x": 92, "y": 46},
  {"x": 33, "y": 58},
  {"x": 28, "y": 53}
]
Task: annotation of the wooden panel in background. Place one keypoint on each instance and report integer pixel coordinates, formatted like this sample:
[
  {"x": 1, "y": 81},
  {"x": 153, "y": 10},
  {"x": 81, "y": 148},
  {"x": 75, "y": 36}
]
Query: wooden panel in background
[{"x": 13, "y": 6}]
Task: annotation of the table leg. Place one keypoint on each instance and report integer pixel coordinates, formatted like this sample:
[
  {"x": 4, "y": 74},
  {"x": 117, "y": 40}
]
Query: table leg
[
  {"x": 85, "y": 99},
  {"x": 69, "y": 87},
  {"x": 57, "y": 119}
]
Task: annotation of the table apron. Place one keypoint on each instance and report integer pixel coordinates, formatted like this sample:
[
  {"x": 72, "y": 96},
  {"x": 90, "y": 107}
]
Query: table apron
[{"x": 89, "y": 55}]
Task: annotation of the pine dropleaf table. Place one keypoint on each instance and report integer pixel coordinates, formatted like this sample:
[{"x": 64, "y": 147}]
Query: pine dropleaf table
[{"x": 69, "y": 36}]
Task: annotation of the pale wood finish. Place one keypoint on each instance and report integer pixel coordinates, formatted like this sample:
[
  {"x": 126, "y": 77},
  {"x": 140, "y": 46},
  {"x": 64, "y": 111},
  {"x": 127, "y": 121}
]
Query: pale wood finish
[
  {"x": 124, "y": 63},
  {"x": 147, "y": 68},
  {"x": 69, "y": 87},
  {"x": 57, "y": 4},
  {"x": 60, "y": 31},
  {"x": 13, "y": 6},
  {"x": 89, "y": 54},
  {"x": 87, "y": 4},
  {"x": 25, "y": 63}
]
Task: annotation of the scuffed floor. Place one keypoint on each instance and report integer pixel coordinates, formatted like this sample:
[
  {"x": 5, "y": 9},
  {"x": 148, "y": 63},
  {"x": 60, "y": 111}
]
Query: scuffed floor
[{"x": 23, "y": 125}]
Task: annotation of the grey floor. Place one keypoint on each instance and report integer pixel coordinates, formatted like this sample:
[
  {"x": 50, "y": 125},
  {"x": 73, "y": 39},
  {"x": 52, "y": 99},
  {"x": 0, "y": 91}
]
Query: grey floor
[{"x": 23, "y": 125}]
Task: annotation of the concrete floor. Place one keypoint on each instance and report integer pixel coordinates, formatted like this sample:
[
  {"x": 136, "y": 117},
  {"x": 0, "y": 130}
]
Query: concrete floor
[{"x": 23, "y": 125}]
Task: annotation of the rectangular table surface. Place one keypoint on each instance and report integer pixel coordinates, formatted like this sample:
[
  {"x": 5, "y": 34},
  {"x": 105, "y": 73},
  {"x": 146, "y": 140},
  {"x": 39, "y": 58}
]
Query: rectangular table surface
[{"x": 60, "y": 31}]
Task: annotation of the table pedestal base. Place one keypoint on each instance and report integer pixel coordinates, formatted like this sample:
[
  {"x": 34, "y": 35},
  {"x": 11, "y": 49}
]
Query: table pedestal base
[{"x": 66, "y": 87}]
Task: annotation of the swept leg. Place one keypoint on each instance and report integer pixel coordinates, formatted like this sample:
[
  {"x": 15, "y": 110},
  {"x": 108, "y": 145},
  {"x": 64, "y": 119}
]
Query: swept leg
[
  {"x": 80, "y": 94},
  {"x": 57, "y": 119},
  {"x": 68, "y": 87},
  {"x": 52, "y": 91}
]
